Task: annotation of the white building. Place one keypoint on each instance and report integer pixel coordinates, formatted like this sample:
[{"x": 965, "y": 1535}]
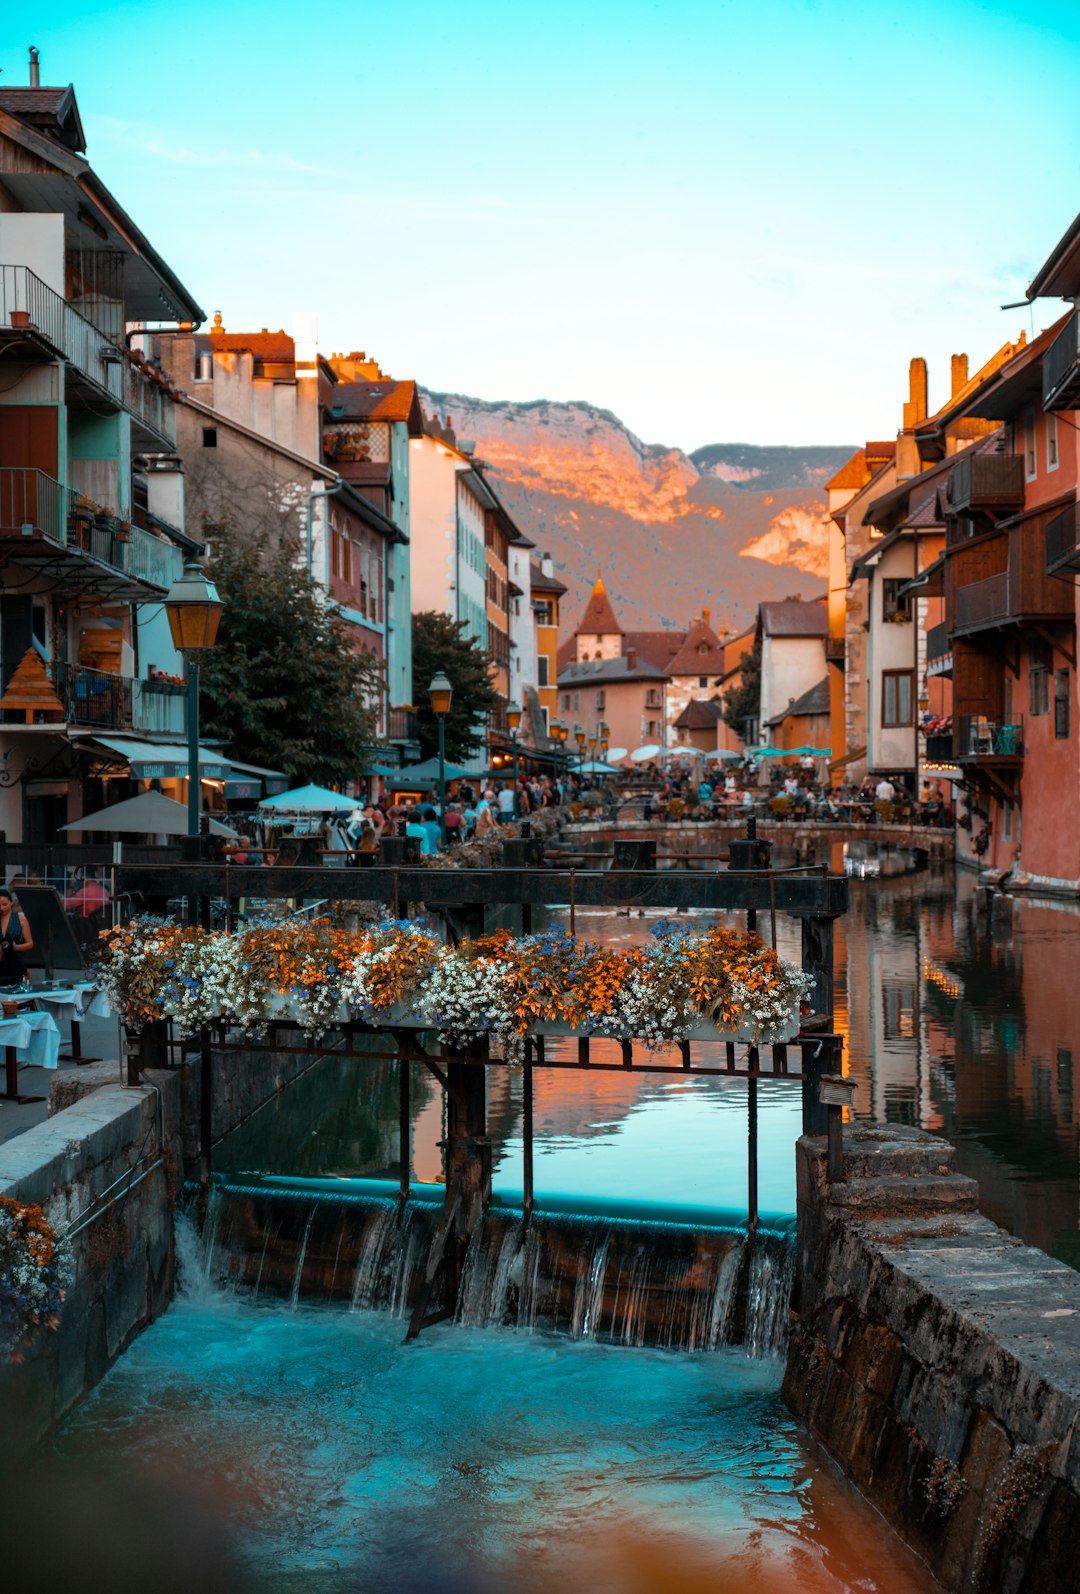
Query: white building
[{"x": 792, "y": 652}]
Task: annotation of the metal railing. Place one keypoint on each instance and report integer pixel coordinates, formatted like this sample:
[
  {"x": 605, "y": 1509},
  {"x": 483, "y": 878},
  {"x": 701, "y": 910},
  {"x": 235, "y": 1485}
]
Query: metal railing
[
  {"x": 938, "y": 645},
  {"x": 1063, "y": 541},
  {"x": 980, "y": 737},
  {"x": 30, "y": 305},
  {"x": 94, "y": 697},
  {"x": 33, "y": 503},
  {"x": 983, "y": 602},
  {"x": 991, "y": 481},
  {"x": 1061, "y": 367},
  {"x": 158, "y": 708}
]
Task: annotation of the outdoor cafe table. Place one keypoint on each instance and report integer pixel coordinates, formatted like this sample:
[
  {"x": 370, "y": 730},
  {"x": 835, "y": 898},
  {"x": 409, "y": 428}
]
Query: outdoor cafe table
[
  {"x": 69, "y": 1003},
  {"x": 29, "y": 1037}
]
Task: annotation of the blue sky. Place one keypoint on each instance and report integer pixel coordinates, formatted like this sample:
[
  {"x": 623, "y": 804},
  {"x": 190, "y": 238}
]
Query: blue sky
[{"x": 726, "y": 221}]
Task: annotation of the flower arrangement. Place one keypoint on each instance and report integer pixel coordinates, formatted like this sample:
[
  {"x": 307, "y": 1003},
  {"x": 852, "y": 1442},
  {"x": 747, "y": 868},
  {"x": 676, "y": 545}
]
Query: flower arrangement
[
  {"x": 34, "y": 1274},
  {"x": 497, "y": 985},
  {"x": 936, "y": 724}
]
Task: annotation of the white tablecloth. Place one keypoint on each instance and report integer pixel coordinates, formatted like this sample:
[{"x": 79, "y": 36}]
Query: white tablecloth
[
  {"x": 65, "y": 1002},
  {"x": 35, "y": 1037}
]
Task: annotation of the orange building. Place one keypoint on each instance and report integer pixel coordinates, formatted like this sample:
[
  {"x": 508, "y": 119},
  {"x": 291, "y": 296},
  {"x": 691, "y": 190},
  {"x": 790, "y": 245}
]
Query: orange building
[{"x": 546, "y": 593}]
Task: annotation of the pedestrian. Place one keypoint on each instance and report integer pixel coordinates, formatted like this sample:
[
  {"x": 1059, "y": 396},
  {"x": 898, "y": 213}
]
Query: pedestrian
[{"x": 15, "y": 939}]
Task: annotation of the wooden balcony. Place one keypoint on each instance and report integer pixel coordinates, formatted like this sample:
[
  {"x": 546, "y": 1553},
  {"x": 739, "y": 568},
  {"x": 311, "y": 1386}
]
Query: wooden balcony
[
  {"x": 1063, "y": 543},
  {"x": 980, "y": 740},
  {"x": 986, "y": 481},
  {"x": 835, "y": 649},
  {"x": 1061, "y": 368},
  {"x": 1021, "y": 594},
  {"x": 938, "y": 646}
]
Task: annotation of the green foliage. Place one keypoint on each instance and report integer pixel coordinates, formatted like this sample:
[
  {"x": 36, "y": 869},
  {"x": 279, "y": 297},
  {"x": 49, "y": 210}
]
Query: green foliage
[
  {"x": 439, "y": 643},
  {"x": 744, "y": 703},
  {"x": 285, "y": 686}
]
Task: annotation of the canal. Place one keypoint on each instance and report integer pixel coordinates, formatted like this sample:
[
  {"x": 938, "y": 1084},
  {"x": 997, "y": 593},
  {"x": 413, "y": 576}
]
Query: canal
[{"x": 483, "y": 1457}]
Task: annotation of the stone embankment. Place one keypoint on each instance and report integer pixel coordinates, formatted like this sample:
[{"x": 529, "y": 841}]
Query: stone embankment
[{"x": 937, "y": 1359}]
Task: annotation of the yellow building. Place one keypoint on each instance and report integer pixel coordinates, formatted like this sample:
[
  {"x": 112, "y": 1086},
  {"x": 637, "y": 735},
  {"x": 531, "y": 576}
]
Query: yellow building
[{"x": 546, "y": 593}]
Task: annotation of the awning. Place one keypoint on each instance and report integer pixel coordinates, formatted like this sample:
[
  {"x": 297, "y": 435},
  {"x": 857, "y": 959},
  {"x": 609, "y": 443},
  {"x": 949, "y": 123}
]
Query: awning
[
  {"x": 163, "y": 760},
  {"x": 252, "y": 780}
]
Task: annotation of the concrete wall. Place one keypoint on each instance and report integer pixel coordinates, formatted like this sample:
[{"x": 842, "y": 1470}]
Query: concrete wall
[
  {"x": 112, "y": 1162},
  {"x": 936, "y": 1358},
  {"x": 790, "y": 666}
]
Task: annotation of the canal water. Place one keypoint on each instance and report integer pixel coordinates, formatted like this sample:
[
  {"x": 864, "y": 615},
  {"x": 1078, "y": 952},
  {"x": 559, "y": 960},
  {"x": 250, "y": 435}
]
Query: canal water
[{"x": 486, "y": 1457}]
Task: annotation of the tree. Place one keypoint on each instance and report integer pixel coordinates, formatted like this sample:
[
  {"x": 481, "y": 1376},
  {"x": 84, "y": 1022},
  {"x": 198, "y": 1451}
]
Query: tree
[
  {"x": 744, "y": 703},
  {"x": 285, "y": 686},
  {"x": 439, "y": 643}
]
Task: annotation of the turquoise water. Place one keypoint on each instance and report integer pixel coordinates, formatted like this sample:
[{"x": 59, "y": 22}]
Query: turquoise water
[{"x": 476, "y": 1459}]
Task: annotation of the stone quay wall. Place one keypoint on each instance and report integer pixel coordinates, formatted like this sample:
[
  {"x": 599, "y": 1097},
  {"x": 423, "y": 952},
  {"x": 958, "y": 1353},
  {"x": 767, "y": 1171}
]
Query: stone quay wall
[
  {"x": 110, "y": 1168},
  {"x": 937, "y": 1359}
]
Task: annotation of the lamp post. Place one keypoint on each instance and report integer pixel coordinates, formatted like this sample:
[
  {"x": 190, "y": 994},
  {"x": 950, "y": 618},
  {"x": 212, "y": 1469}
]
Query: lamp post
[
  {"x": 440, "y": 693},
  {"x": 558, "y": 733},
  {"x": 194, "y": 611},
  {"x": 579, "y": 737},
  {"x": 513, "y": 720}
]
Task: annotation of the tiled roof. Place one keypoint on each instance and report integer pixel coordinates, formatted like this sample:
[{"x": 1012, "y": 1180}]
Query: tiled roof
[
  {"x": 539, "y": 582},
  {"x": 265, "y": 345},
  {"x": 605, "y": 672},
  {"x": 659, "y": 647},
  {"x": 815, "y": 701},
  {"x": 855, "y": 473},
  {"x": 700, "y": 714},
  {"x": 794, "y": 618},
  {"x": 599, "y": 617},
  {"x": 51, "y": 111},
  {"x": 690, "y": 660},
  {"x": 386, "y": 400}
]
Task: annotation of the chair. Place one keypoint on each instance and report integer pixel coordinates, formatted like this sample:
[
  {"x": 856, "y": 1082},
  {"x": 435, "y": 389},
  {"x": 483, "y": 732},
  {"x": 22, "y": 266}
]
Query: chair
[{"x": 981, "y": 735}]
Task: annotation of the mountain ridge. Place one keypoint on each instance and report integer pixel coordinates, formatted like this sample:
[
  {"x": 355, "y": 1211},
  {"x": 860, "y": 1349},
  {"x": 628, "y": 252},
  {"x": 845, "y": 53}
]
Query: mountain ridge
[{"x": 723, "y": 527}]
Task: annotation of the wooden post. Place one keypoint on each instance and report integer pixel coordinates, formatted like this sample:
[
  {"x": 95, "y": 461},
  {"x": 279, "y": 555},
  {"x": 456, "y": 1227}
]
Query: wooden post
[
  {"x": 527, "y": 1138},
  {"x": 206, "y": 1111},
  {"x": 468, "y": 1158},
  {"x": 817, "y": 961},
  {"x": 404, "y": 1124}
]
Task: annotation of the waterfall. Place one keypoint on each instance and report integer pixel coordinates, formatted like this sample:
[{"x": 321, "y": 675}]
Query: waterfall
[{"x": 626, "y": 1280}]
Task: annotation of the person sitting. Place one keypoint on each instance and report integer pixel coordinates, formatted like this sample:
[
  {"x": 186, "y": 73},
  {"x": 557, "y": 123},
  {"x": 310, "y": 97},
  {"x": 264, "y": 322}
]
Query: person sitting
[
  {"x": 434, "y": 831},
  {"x": 91, "y": 897},
  {"x": 367, "y": 845},
  {"x": 417, "y": 830},
  {"x": 15, "y": 939},
  {"x": 455, "y": 824}
]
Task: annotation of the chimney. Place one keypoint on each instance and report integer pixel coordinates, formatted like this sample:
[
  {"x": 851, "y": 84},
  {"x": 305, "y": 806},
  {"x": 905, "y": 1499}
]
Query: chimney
[
  {"x": 916, "y": 410},
  {"x": 631, "y": 659},
  {"x": 959, "y": 373},
  {"x": 547, "y": 564},
  {"x": 35, "y": 67}
]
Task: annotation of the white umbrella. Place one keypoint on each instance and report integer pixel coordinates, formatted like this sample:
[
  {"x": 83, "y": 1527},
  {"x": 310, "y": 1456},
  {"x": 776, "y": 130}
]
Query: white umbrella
[
  {"x": 615, "y": 755},
  {"x": 641, "y": 755},
  {"x": 149, "y": 814},
  {"x": 308, "y": 800},
  {"x": 724, "y": 754}
]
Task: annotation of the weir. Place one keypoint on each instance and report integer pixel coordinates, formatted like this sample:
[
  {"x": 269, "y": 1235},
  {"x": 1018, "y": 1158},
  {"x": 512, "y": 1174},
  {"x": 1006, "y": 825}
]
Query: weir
[{"x": 694, "y": 1284}]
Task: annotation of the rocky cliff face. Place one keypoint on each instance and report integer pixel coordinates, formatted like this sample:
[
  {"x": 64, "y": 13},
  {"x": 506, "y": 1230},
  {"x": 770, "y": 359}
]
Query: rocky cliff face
[{"x": 725, "y": 527}]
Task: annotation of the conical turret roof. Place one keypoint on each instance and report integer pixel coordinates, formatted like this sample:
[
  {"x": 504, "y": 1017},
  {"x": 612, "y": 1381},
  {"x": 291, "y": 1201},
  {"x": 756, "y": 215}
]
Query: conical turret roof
[{"x": 599, "y": 617}]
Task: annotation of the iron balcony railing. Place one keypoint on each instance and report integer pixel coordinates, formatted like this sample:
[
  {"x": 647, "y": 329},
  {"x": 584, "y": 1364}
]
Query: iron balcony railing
[
  {"x": 102, "y": 701},
  {"x": 979, "y": 737},
  {"x": 30, "y": 306},
  {"x": 1061, "y": 367},
  {"x": 1063, "y": 542},
  {"x": 938, "y": 645},
  {"x": 983, "y": 602},
  {"x": 987, "y": 481},
  {"x": 939, "y": 748},
  {"x": 33, "y": 504}
]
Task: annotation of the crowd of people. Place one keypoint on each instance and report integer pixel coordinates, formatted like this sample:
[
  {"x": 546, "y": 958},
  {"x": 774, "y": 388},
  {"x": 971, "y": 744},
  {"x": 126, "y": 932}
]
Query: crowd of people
[
  {"x": 789, "y": 791},
  {"x": 473, "y": 811}
]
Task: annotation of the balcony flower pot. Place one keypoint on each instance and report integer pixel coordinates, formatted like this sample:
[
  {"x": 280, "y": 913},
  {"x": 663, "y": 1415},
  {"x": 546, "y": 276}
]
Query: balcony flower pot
[{"x": 21, "y": 319}]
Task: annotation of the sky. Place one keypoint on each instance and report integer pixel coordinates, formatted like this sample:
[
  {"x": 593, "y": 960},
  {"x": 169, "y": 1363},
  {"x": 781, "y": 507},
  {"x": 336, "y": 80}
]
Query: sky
[{"x": 733, "y": 221}]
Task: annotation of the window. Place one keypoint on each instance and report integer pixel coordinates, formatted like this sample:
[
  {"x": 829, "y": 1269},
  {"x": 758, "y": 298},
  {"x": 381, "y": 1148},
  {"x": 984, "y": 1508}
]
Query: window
[
  {"x": 1038, "y": 679},
  {"x": 209, "y": 437},
  {"x": 652, "y": 697},
  {"x": 542, "y": 667},
  {"x": 895, "y": 608},
  {"x": 1031, "y": 464},
  {"x": 1051, "y": 442},
  {"x": 702, "y": 681},
  {"x": 599, "y": 702},
  {"x": 896, "y": 697},
  {"x": 1061, "y": 704},
  {"x": 566, "y": 701}
]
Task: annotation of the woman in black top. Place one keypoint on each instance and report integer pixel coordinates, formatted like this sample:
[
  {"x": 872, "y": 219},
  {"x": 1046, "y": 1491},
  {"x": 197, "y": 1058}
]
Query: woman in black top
[{"x": 15, "y": 938}]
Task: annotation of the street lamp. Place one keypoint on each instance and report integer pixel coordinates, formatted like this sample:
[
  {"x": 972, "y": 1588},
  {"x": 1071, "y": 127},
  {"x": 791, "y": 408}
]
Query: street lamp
[
  {"x": 440, "y": 693},
  {"x": 194, "y": 611},
  {"x": 579, "y": 737},
  {"x": 558, "y": 732},
  {"x": 513, "y": 720}
]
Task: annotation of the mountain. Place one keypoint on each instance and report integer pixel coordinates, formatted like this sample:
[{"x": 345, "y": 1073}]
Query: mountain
[{"x": 725, "y": 527}]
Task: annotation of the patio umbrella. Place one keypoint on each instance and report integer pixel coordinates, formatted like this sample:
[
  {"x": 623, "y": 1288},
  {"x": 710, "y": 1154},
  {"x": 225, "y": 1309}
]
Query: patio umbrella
[
  {"x": 615, "y": 755},
  {"x": 429, "y": 771},
  {"x": 641, "y": 755},
  {"x": 593, "y": 766},
  {"x": 724, "y": 755},
  {"x": 149, "y": 814},
  {"x": 383, "y": 769},
  {"x": 308, "y": 800}
]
